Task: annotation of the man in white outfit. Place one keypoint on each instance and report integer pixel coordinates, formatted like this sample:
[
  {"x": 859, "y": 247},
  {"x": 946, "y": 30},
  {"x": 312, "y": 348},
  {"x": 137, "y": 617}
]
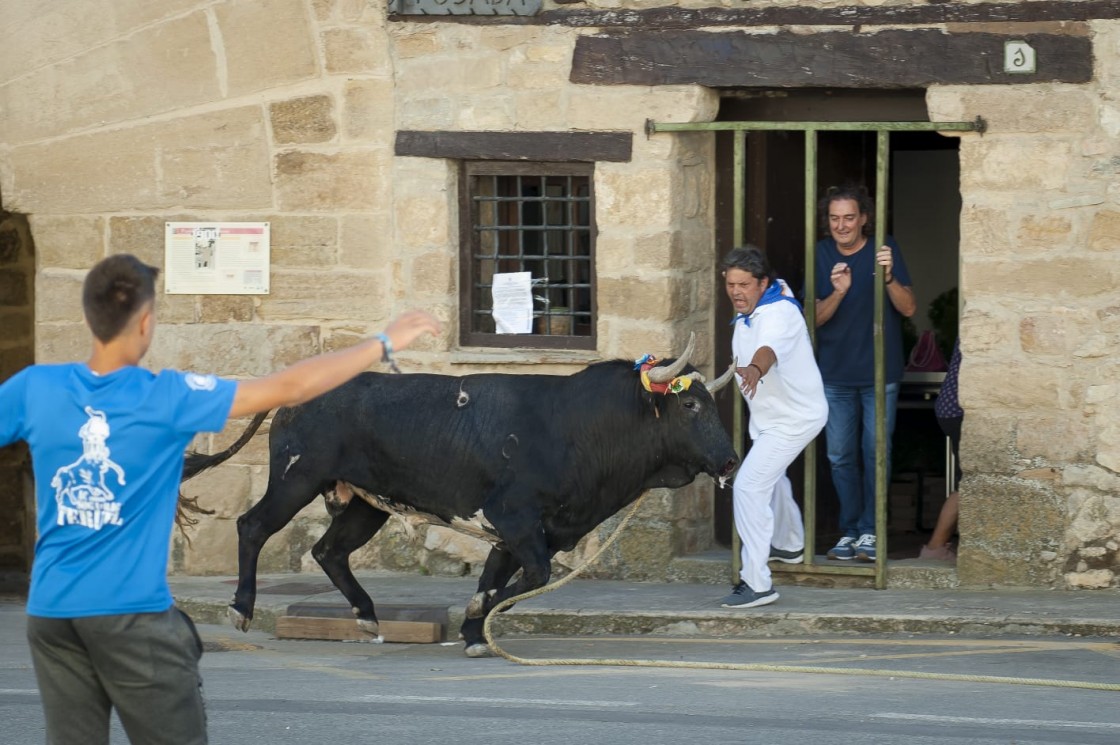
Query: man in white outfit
[{"x": 778, "y": 376}]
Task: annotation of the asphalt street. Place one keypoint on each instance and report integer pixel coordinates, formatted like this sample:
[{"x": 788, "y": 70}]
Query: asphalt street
[{"x": 263, "y": 690}]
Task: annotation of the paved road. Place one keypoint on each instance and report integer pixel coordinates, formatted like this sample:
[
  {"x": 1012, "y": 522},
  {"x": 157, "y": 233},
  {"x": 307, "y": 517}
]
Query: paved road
[{"x": 262, "y": 690}]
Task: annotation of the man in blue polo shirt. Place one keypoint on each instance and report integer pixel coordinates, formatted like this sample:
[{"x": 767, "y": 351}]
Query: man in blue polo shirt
[
  {"x": 107, "y": 439},
  {"x": 845, "y": 297}
]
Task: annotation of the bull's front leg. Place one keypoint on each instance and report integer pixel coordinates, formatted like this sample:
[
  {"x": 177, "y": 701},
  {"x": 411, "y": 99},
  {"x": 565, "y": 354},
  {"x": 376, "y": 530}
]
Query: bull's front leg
[
  {"x": 497, "y": 571},
  {"x": 524, "y": 540}
]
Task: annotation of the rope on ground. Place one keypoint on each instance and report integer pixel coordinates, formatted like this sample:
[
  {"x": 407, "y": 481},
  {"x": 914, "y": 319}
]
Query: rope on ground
[{"x": 747, "y": 667}]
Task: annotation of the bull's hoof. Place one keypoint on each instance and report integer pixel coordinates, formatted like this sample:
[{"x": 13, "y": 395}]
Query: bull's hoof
[
  {"x": 372, "y": 628},
  {"x": 238, "y": 619},
  {"x": 478, "y": 650}
]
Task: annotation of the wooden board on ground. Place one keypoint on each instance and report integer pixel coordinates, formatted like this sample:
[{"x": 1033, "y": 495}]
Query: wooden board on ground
[
  {"x": 347, "y": 629},
  {"x": 385, "y": 611}
]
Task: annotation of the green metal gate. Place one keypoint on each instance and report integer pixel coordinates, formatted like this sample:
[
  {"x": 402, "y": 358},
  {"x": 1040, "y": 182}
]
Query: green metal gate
[{"x": 883, "y": 131}]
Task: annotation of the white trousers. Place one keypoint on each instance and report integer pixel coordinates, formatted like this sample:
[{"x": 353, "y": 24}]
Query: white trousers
[{"x": 765, "y": 513}]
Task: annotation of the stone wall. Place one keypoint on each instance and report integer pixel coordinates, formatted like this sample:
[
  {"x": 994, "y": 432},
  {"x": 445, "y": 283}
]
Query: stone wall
[{"x": 1040, "y": 332}]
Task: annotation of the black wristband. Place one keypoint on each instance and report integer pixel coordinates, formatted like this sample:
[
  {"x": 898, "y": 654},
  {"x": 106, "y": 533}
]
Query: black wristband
[{"x": 887, "y": 282}]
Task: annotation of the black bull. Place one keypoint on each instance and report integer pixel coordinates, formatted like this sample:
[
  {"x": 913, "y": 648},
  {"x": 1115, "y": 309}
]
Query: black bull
[{"x": 530, "y": 463}]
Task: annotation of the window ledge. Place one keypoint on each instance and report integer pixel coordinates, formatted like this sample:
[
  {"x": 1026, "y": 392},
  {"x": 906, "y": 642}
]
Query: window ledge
[{"x": 488, "y": 356}]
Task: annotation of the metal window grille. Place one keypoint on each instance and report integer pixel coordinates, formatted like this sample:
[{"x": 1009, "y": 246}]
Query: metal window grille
[{"x": 537, "y": 218}]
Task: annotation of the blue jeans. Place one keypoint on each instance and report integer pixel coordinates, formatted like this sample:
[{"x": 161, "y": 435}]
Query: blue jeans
[{"x": 850, "y": 434}]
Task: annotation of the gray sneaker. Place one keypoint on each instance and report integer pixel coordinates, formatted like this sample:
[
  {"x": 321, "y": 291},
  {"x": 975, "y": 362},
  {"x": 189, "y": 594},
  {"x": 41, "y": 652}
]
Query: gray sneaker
[
  {"x": 787, "y": 557},
  {"x": 744, "y": 597},
  {"x": 843, "y": 550}
]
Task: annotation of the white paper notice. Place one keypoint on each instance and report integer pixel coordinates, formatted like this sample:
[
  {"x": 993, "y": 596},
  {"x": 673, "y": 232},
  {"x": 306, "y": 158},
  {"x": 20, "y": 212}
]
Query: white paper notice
[
  {"x": 513, "y": 303},
  {"x": 219, "y": 258}
]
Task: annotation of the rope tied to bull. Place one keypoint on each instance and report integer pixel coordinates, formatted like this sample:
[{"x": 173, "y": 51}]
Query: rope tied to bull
[{"x": 744, "y": 667}]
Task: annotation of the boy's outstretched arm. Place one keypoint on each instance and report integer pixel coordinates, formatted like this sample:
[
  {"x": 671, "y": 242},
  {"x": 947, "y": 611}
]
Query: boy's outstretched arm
[{"x": 316, "y": 375}]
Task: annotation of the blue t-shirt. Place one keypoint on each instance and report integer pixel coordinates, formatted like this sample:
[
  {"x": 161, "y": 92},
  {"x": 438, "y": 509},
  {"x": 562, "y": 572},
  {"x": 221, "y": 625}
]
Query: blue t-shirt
[
  {"x": 845, "y": 344},
  {"x": 107, "y": 453}
]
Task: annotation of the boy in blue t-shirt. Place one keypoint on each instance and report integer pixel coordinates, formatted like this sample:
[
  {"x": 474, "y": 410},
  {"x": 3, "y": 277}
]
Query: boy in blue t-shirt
[{"x": 107, "y": 440}]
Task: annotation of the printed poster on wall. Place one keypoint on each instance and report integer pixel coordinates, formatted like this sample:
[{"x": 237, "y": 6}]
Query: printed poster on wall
[{"x": 216, "y": 258}]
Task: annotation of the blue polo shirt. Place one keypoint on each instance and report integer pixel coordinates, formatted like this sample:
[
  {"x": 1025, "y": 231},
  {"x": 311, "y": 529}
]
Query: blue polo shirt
[
  {"x": 845, "y": 344},
  {"x": 107, "y": 453}
]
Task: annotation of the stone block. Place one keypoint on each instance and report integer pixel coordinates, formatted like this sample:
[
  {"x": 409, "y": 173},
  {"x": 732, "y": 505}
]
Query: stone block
[
  {"x": 1094, "y": 579},
  {"x": 423, "y": 221},
  {"x": 172, "y": 309},
  {"x": 303, "y": 120},
  {"x": 1058, "y": 332},
  {"x": 636, "y": 198},
  {"x": 345, "y": 180},
  {"x": 365, "y": 240},
  {"x": 457, "y": 545},
  {"x": 217, "y": 348},
  {"x": 1104, "y": 232},
  {"x": 999, "y": 163},
  {"x": 538, "y": 109},
  {"x": 326, "y": 296},
  {"x": 1030, "y": 109},
  {"x": 1056, "y": 278},
  {"x": 304, "y": 241},
  {"x": 16, "y": 324},
  {"x": 68, "y": 242},
  {"x": 218, "y": 159},
  {"x": 427, "y": 112},
  {"x": 157, "y": 69},
  {"x": 224, "y": 489},
  {"x": 648, "y": 297},
  {"x": 1002, "y": 551},
  {"x": 61, "y": 342},
  {"x": 223, "y": 308},
  {"x": 289, "y": 56},
  {"x": 416, "y": 42},
  {"x": 355, "y": 51},
  {"x": 486, "y": 112},
  {"x": 58, "y": 295},
  {"x": 367, "y": 111},
  {"x": 143, "y": 237},
  {"x": 1044, "y": 233},
  {"x": 433, "y": 274},
  {"x": 986, "y": 230},
  {"x": 460, "y": 74}
]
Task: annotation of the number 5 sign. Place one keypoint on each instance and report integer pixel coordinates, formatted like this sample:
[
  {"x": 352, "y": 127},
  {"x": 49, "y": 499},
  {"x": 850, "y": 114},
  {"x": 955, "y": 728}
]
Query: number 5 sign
[{"x": 1018, "y": 56}]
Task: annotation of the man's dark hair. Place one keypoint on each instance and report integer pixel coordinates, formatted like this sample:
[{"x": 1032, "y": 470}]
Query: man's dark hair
[
  {"x": 750, "y": 259},
  {"x": 114, "y": 290},
  {"x": 858, "y": 194}
]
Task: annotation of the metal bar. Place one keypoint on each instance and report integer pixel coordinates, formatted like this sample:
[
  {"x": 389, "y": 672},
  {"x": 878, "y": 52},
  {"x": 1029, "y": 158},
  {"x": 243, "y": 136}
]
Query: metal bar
[
  {"x": 810, "y": 477},
  {"x": 882, "y": 191},
  {"x": 739, "y": 236},
  {"x": 977, "y": 125}
]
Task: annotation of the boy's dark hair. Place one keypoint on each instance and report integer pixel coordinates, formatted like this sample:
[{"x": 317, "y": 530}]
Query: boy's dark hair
[
  {"x": 114, "y": 290},
  {"x": 750, "y": 259},
  {"x": 850, "y": 190}
]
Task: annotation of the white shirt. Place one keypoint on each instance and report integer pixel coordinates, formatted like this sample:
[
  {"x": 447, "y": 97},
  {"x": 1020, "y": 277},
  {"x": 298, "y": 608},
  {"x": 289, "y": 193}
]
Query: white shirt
[{"x": 789, "y": 400}]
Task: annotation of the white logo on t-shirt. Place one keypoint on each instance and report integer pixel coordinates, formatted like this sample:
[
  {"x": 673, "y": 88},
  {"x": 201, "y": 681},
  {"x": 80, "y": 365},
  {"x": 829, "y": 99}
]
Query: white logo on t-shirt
[
  {"x": 82, "y": 495},
  {"x": 201, "y": 382}
]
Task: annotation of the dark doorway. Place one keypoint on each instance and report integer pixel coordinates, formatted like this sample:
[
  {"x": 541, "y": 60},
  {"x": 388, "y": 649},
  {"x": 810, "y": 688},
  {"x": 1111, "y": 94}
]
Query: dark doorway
[
  {"x": 923, "y": 209},
  {"x": 17, "y": 351}
]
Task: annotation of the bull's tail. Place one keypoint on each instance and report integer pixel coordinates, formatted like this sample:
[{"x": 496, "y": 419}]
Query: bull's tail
[{"x": 196, "y": 463}]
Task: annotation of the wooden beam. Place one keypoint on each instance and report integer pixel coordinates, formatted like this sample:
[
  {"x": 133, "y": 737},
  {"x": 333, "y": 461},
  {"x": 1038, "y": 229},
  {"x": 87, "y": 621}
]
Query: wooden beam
[
  {"x": 917, "y": 14},
  {"x": 540, "y": 146},
  {"x": 888, "y": 59},
  {"x": 347, "y": 629}
]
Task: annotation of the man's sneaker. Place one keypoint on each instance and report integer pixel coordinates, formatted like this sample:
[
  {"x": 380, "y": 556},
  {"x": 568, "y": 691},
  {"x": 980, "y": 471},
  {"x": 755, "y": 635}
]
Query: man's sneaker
[
  {"x": 744, "y": 597},
  {"x": 843, "y": 550},
  {"x": 787, "y": 557},
  {"x": 865, "y": 547}
]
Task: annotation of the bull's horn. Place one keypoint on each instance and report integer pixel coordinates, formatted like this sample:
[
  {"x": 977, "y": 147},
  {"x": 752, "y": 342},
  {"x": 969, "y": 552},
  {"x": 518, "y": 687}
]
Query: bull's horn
[
  {"x": 721, "y": 381},
  {"x": 665, "y": 374}
]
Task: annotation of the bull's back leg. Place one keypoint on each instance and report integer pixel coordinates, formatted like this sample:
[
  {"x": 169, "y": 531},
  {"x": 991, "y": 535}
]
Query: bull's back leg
[
  {"x": 286, "y": 495},
  {"x": 349, "y": 530},
  {"x": 497, "y": 571}
]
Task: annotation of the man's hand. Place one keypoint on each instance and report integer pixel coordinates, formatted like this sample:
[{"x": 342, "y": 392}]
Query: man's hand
[{"x": 841, "y": 277}]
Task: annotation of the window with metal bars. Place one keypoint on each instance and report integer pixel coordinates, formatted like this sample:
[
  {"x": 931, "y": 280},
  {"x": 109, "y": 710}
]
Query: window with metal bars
[{"x": 536, "y": 218}]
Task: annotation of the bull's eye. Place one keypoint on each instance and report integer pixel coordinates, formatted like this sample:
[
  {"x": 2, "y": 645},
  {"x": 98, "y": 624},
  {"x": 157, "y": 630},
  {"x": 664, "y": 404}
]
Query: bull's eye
[{"x": 691, "y": 404}]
